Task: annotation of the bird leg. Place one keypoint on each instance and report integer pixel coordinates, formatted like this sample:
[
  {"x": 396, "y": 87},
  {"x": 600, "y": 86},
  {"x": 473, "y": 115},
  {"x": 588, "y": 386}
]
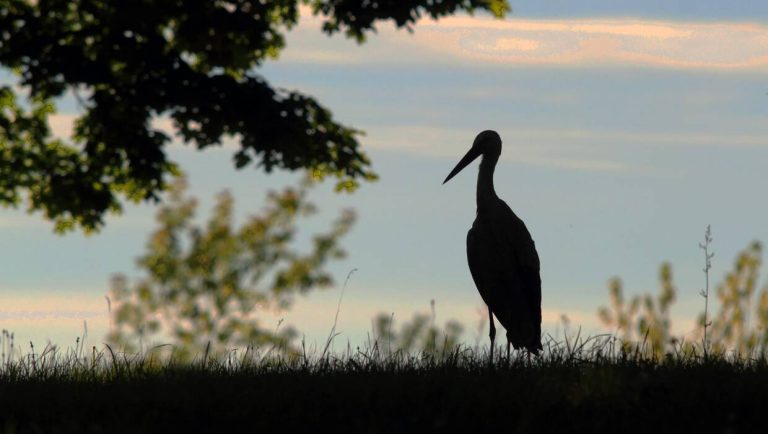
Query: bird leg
[
  {"x": 492, "y": 333},
  {"x": 508, "y": 349}
]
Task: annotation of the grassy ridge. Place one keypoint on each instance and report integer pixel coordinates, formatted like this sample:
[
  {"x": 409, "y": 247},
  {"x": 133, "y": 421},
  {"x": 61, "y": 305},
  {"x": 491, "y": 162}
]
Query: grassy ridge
[{"x": 369, "y": 392}]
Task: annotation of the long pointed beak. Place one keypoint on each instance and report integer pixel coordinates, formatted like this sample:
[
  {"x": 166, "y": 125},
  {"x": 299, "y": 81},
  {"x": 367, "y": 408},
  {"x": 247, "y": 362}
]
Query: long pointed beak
[{"x": 468, "y": 158}]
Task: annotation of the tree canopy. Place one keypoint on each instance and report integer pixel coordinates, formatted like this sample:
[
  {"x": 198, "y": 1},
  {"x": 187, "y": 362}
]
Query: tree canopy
[{"x": 195, "y": 63}]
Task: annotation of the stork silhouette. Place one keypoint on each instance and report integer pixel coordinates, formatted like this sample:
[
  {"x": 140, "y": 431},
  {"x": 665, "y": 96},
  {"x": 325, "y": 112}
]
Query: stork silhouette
[{"x": 502, "y": 255}]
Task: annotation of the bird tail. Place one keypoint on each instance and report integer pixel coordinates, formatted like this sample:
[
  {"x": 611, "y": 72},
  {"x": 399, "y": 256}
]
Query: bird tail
[{"x": 525, "y": 334}]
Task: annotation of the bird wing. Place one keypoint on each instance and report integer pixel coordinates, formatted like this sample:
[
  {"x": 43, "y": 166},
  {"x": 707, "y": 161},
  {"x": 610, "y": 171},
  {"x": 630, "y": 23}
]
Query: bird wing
[
  {"x": 528, "y": 268},
  {"x": 505, "y": 267},
  {"x": 518, "y": 238}
]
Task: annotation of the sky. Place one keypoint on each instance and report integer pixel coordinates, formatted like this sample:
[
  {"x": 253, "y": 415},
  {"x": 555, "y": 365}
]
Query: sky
[{"x": 627, "y": 128}]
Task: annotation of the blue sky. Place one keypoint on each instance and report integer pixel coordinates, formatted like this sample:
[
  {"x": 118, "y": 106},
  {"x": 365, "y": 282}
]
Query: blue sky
[{"x": 627, "y": 128}]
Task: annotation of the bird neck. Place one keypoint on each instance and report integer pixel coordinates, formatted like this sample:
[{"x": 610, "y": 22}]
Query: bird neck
[{"x": 485, "y": 190}]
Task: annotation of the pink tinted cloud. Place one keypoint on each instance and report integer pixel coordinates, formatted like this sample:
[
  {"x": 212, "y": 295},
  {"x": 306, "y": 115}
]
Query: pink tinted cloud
[{"x": 712, "y": 45}]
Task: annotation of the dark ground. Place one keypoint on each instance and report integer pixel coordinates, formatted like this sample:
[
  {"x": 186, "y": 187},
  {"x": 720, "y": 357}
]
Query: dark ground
[{"x": 616, "y": 397}]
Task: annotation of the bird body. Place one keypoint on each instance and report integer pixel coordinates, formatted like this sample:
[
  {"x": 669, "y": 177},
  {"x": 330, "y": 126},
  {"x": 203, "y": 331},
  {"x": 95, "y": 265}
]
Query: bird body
[{"x": 502, "y": 256}]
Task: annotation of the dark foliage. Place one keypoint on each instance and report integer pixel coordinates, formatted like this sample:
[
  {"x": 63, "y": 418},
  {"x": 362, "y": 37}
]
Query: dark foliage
[{"x": 193, "y": 62}]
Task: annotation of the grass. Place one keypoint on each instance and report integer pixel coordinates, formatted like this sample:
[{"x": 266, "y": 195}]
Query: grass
[{"x": 580, "y": 385}]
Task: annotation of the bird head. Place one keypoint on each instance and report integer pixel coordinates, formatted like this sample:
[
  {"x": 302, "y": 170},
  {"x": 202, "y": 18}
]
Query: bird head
[{"x": 487, "y": 143}]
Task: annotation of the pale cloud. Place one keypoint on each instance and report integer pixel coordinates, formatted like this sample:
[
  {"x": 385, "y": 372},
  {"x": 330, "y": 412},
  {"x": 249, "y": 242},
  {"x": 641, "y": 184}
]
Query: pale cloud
[
  {"x": 533, "y": 148},
  {"x": 619, "y": 27},
  {"x": 163, "y": 124},
  {"x": 575, "y": 42},
  {"x": 516, "y": 44},
  {"x": 640, "y": 30},
  {"x": 601, "y": 41},
  {"x": 557, "y": 148},
  {"x": 315, "y": 317},
  {"x": 14, "y": 219},
  {"x": 59, "y": 316},
  {"x": 552, "y": 147},
  {"x": 62, "y": 125},
  {"x": 21, "y": 301},
  {"x": 37, "y": 315},
  {"x": 679, "y": 139}
]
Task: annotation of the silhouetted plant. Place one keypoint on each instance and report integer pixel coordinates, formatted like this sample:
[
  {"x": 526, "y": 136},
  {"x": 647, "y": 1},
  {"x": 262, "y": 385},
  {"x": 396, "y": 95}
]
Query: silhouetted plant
[
  {"x": 620, "y": 315},
  {"x": 205, "y": 286},
  {"x": 195, "y": 63},
  {"x": 740, "y": 324},
  {"x": 645, "y": 318},
  {"x": 705, "y": 323},
  {"x": 732, "y": 328},
  {"x": 420, "y": 334}
]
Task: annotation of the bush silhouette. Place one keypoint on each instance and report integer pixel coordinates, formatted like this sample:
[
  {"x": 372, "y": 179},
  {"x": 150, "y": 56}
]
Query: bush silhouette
[{"x": 205, "y": 286}]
